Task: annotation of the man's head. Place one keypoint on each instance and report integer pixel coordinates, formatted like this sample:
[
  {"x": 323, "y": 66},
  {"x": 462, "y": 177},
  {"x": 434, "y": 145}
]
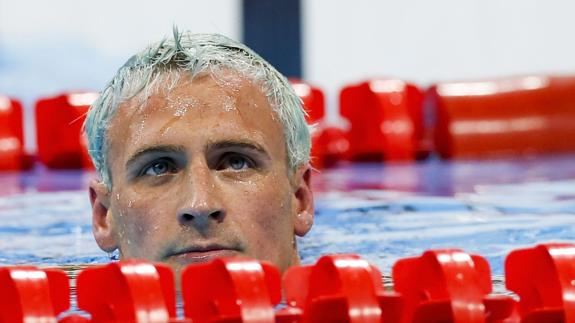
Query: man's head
[{"x": 203, "y": 151}]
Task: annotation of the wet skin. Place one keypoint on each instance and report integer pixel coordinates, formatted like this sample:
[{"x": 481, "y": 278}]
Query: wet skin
[{"x": 198, "y": 173}]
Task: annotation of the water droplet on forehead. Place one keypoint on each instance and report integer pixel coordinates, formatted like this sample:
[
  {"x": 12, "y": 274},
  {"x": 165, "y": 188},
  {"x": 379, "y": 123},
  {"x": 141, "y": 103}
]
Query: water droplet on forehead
[
  {"x": 180, "y": 111},
  {"x": 228, "y": 103},
  {"x": 180, "y": 105},
  {"x": 165, "y": 131},
  {"x": 138, "y": 128}
]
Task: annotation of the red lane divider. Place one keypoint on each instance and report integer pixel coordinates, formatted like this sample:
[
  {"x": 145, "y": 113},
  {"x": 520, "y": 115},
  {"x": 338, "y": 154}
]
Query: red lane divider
[
  {"x": 438, "y": 286},
  {"x": 59, "y": 122},
  {"x": 385, "y": 121}
]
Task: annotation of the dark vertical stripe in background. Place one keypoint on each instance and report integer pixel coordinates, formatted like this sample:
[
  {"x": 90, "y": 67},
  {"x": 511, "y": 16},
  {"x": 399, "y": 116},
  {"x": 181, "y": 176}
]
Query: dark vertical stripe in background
[{"x": 273, "y": 29}]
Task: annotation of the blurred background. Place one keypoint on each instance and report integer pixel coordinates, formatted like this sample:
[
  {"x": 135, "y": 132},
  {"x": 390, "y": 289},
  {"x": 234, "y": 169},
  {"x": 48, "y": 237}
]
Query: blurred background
[{"x": 47, "y": 47}]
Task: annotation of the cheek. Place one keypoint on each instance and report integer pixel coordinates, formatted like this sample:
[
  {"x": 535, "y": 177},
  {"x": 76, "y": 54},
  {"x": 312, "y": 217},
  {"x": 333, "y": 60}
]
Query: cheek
[
  {"x": 263, "y": 212},
  {"x": 141, "y": 224}
]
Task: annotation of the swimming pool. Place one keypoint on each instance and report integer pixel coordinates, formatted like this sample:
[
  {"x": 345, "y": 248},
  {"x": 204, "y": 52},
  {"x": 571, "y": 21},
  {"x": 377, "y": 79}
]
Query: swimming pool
[{"x": 382, "y": 212}]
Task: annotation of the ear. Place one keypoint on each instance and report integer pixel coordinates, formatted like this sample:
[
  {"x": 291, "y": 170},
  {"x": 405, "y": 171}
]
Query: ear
[
  {"x": 303, "y": 200},
  {"x": 101, "y": 216}
]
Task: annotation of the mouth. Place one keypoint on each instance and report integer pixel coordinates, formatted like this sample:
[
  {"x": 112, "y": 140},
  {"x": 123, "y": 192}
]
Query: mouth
[{"x": 199, "y": 254}]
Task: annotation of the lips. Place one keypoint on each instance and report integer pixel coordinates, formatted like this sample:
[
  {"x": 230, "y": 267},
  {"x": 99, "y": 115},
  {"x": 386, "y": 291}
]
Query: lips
[{"x": 198, "y": 254}]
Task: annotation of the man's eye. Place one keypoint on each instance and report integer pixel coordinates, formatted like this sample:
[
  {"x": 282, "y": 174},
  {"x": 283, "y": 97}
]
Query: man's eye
[
  {"x": 235, "y": 162},
  {"x": 158, "y": 168}
]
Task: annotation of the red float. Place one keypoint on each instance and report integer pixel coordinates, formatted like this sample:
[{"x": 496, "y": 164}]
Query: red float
[
  {"x": 544, "y": 279},
  {"x": 385, "y": 120},
  {"x": 312, "y": 98},
  {"x": 449, "y": 286},
  {"x": 341, "y": 288},
  {"x": 329, "y": 146},
  {"x": 30, "y": 294},
  {"x": 506, "y": 117},
  {"x": 231, "y": 290},
  {"x": 329, "y": 143},
  {"x": 11, "y": 135},
  {"x": 128, "y": 291},
  {"x": 59, "y": 122}
]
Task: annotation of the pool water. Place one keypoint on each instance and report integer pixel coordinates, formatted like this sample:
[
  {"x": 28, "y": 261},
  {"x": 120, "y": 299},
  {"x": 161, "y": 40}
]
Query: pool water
[{"x": 381, "y": 212}]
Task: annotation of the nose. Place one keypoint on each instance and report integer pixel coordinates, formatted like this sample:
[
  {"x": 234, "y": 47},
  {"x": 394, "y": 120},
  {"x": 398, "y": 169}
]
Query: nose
[
  {"x": 201, "y": 205},
  {"x": 200, "y": 217}
]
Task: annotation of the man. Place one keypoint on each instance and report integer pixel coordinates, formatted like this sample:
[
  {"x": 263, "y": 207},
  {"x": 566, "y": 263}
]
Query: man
[{"x": 202, "y": 151}]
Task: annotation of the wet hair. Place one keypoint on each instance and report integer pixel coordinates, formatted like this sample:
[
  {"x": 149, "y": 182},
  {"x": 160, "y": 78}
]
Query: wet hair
[{"x": 161, "y": 64}]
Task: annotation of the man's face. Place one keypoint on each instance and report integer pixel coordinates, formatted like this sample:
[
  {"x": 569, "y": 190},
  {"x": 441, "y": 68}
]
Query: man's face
[{"x": 198, "y": 173}]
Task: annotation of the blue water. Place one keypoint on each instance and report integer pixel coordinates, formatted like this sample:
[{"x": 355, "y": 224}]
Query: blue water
[
  {"x": 383, "y": 227},
  {"x": 53, "y": 228},
  {"x": 48, "y": 228}
]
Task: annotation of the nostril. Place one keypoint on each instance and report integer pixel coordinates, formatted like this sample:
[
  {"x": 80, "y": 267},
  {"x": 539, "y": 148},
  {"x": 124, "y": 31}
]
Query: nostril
[
  {"x": 187, "y": 217},
  {"x": 217, "y": 215}
]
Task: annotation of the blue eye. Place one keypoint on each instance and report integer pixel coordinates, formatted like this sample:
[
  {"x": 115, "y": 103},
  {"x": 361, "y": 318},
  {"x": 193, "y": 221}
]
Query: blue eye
[
  {"x": 236, "y": 162},
  {"x": 158, "y": 168}
]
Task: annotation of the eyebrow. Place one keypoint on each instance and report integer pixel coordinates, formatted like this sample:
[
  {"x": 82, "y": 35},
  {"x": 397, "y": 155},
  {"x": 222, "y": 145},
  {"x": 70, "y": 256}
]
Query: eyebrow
[
  {"x": 164, "y": 149},
  {"x": 227, "y": 144}
]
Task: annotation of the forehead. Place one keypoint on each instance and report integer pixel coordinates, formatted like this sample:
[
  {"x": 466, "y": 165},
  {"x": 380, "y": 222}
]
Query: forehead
[{"x": 206, "y": 108}]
